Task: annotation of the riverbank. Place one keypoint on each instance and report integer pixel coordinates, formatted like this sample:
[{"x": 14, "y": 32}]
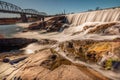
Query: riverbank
[{"x": 9, "y": 21}]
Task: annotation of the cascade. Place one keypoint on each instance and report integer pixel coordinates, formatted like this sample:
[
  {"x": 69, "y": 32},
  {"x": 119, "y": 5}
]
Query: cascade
[{"x": 107, "y": 15}]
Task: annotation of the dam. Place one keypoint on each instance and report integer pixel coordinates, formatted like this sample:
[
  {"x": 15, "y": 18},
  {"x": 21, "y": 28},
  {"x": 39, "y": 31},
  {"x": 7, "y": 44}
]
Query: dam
[{"x": 106, "y": 15}]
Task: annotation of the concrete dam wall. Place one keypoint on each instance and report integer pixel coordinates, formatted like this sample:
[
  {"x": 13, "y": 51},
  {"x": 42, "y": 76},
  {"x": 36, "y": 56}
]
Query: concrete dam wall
[{"x": 107, "y": 15}]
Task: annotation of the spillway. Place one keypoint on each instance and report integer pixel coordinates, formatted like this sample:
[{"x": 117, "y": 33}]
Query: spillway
[{"x": 106, "y": 15}]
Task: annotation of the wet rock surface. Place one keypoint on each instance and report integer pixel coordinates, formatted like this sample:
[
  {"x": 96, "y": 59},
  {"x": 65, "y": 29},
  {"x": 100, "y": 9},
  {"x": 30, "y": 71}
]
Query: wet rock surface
[
  {"x": 51, "y": 64},
  {"x": 101, "y": 52},
  {"x": 47, "y": 42},
  {"x": 59, "y": 61},
  {"x": 54, "y": 24},
  {"x": 8, "y": 44},
  {"x": 116, "y": 65},
  {"x": 14, "y": 61},
  {"x": 106, "y": 28},
  {"x": 46, "y": 65}
]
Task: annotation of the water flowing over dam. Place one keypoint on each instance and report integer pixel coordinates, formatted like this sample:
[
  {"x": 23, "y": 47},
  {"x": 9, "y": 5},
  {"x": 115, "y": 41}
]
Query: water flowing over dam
[{"x": 107, "y": 15}]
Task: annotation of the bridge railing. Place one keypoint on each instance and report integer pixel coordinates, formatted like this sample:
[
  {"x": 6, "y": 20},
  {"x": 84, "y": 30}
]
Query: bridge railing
[{"x": 8, "y": 7}]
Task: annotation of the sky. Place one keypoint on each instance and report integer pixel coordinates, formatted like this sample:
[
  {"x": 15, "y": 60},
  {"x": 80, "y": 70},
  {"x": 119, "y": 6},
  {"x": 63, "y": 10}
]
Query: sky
[{"x": 58, "y": 6}]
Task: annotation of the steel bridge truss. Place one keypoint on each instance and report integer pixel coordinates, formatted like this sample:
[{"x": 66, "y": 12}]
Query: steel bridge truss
[{"x": 11, "y": 8}]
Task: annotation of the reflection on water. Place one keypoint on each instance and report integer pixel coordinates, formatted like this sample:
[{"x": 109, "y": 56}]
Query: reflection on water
[{"x": 9, "y": 30}]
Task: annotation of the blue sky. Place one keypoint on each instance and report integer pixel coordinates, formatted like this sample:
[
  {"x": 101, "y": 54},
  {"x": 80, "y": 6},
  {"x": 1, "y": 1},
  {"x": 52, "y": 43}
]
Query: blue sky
[{"x": 58, "y": 6}]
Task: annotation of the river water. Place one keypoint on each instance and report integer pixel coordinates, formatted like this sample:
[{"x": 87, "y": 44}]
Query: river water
[{"x": 9, "y": 30}]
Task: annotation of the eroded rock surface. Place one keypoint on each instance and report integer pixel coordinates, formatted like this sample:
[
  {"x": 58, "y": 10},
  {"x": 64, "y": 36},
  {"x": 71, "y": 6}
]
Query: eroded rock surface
[
  {"x": 90, "y": 50},
  {"x": 46, "y": 65},
  {"x": 8, "y": 44},
  {"x": 54, "y": 24},
  {"x": 66, "y": 60}
]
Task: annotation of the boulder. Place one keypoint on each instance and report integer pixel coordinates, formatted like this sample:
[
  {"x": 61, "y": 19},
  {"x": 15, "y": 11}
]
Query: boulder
[
  {"x": 51, "y": 25},
  {"x": 116, "y": 65},
  {"x": 8, "y": 44},
  {"x": 6, "y": 60},
  {"x": 37, "y": 26}
]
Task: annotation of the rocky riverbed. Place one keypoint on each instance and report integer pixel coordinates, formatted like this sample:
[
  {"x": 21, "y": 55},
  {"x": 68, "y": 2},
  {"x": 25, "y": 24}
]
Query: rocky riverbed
[{"x": 61, "y": 51}]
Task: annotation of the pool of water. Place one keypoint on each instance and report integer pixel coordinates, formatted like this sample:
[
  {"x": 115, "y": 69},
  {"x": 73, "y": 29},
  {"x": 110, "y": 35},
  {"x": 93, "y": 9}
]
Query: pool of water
[{"x": 9, "y": 30}]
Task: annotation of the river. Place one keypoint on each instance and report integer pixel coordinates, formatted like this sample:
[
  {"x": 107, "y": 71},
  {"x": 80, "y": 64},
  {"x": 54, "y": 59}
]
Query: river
[{"x": 9, "y": 30}]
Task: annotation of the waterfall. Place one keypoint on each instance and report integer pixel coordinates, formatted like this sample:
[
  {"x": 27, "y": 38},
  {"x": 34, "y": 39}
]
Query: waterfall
[{"x": 107, "y": 15}]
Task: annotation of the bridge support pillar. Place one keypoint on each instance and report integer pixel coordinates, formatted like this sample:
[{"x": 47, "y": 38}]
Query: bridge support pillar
[
  {"x": 24, "y": 18},
  {"x": 41, "y": 18}
]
